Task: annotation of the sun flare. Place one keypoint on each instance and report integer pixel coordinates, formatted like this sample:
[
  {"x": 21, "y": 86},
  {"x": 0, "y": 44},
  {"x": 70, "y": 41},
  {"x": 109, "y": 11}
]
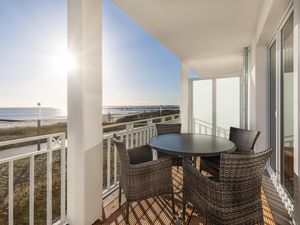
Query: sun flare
[{"x": 66, "y": 62}]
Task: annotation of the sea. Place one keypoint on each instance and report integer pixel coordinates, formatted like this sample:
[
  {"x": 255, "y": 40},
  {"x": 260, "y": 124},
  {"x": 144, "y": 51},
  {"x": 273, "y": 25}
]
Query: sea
[{"x": 25, "y": 114}]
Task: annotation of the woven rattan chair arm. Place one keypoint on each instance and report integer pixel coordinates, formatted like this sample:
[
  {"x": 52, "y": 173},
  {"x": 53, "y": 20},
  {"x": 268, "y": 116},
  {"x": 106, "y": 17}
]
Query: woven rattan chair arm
[
  {"x": 195, "y": 182},
  {"x": 153, "y": 167},
  {"x": 243, "y": 152},
  {"x": 140, "y": 154}
]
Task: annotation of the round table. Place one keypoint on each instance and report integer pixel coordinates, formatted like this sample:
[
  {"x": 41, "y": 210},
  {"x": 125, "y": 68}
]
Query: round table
[{"x": 187, "y": 145}]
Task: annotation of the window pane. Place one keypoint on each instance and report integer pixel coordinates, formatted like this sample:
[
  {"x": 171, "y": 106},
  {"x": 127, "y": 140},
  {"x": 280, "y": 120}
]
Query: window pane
[
  {"x": 202, "y": 106},
  {"x": 228, "y": 105}
]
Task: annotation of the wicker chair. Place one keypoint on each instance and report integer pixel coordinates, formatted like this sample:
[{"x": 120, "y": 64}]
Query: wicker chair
[
  {"x": 163, "y": 128},
  {"x": 140, "y": 176},
  {"x": 235, "y": 197},
  {"x": 244, "y": 141}
]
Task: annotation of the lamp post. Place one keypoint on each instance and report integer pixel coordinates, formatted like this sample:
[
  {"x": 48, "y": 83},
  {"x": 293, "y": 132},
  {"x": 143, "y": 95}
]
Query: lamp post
[{"x": 39, "y": 124}]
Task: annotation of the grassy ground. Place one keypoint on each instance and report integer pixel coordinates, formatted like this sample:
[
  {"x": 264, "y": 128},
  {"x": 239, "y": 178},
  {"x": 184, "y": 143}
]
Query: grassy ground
[
  {"x": 21, "y": 172},
  {"x": 23, "y": 132}
]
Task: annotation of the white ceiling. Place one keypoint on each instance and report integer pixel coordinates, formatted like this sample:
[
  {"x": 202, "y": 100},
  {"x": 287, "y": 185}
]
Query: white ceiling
[
  {"x": 230, "y": 64},
  {"x": 200, "y": 30}
]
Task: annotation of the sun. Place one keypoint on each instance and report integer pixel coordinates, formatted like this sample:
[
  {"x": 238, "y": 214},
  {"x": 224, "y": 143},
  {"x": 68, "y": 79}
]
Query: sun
[
  {"x": 63, "y": 61},
  {"x": 66, "y": 62}
]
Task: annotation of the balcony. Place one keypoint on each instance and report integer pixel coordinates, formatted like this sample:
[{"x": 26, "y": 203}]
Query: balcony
[
  {"x": 255, "y": 41},
  {"x": 35, "y": 182}
]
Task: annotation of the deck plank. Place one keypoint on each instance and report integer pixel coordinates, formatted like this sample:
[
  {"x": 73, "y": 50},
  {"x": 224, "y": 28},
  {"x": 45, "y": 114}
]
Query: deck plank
[{"x": 158, "y": 210}]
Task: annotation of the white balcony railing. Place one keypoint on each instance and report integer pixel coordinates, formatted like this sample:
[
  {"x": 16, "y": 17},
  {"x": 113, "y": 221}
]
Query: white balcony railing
[
  {"x": 50, "y": 144},
  {"x": 135, "y": 133}
]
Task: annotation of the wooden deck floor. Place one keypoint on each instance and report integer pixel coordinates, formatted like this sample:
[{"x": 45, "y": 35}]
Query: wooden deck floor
[{"x": 158, "y": 210}]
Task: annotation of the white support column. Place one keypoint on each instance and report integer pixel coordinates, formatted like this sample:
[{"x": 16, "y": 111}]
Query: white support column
[
  {"x": 85, "y": 113},
  {"x": 259, "y": 95},
  {"x": 296, "y": 110},
  {"x": 184, "y": 96}
]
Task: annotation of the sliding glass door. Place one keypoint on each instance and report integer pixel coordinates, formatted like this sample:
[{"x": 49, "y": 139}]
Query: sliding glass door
[{"x": 287, "y": 109}]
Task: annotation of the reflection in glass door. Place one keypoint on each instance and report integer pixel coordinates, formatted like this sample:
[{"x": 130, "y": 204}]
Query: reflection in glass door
[{"x": 287, "y": 118}]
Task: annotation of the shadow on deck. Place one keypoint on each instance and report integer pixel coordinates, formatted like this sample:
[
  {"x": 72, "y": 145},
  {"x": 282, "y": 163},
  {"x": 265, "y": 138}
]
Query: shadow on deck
[{"x": 157, "y": 210}]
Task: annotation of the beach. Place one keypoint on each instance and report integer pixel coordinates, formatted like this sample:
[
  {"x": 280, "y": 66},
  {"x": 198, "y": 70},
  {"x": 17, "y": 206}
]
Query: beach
[{"x": 28, "y": 123}]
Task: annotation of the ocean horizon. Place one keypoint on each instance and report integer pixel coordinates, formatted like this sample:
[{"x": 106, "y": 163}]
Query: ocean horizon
[{"x": 50, "y": 113}]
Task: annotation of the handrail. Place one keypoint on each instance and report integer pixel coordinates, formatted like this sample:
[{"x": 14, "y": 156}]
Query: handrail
[
  {"x": 29, "y": 139},
  {"x": 139, "y": 121}
]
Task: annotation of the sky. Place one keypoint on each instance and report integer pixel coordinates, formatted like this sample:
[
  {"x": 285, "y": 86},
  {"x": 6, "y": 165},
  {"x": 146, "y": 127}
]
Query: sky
[{"x": 137, "y": 69}]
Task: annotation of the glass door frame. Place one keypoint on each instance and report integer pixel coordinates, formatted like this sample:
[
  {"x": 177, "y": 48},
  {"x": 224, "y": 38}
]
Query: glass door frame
[
  {"x": 277, "y": 40},
  {"x": 214, "y": 99},
  {"x": 282, "y": 120},
  {"x": 277, "y": 37}
]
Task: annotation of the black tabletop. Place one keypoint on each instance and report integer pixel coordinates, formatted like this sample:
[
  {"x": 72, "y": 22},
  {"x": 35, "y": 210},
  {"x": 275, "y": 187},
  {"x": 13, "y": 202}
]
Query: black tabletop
[{"x": 192, "y": 144}]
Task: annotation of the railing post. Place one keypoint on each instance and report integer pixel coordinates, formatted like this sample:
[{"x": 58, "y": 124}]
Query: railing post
[
  {"x": 31, "y": 191},
  {"x": 140, "y": 137},
  {"x": 149, "y": 130},
  {"x": 131, "y": 135},
  {"x": 115, "y": 165},
  {"x": 127, "y": 135},
  {"x": 108, "y": 161},
  {"x": 150, "y": 125},
  {"x": 145, "y": 136},
  {"x": 136, "y": 138},
  {"x": 172, "y": 118},
  {"x": 11, "y": 193},
  {"x": 49, "y": 181},
  {"x": 63, "y": 179}
]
